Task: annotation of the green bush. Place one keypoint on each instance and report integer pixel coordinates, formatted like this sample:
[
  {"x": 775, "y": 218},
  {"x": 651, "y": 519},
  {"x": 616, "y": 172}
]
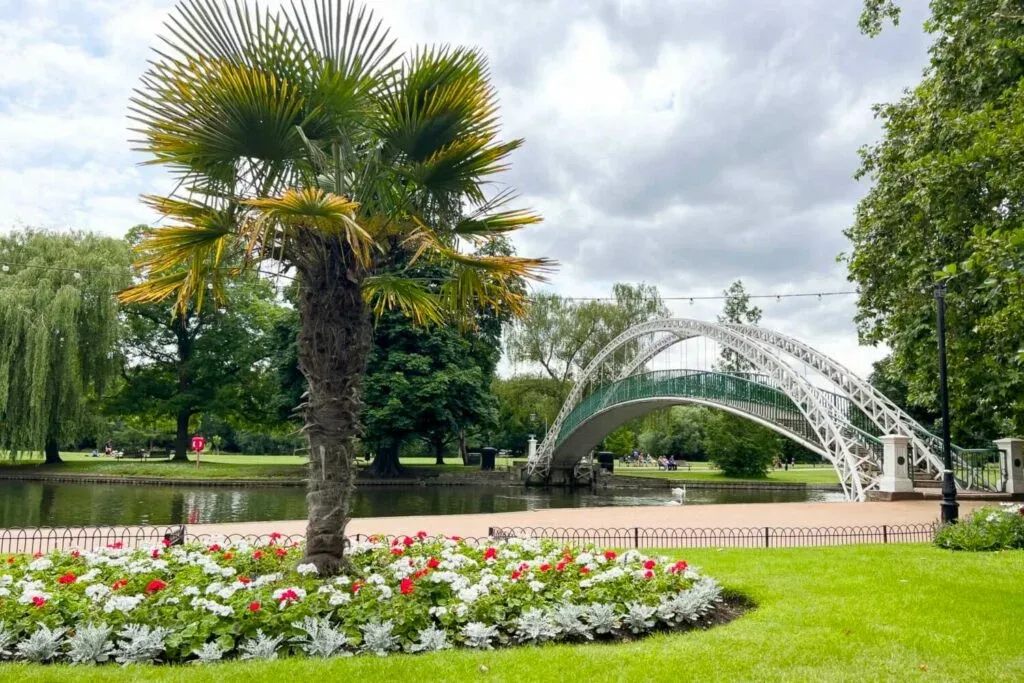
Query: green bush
[{"x": 988, "y": 528}]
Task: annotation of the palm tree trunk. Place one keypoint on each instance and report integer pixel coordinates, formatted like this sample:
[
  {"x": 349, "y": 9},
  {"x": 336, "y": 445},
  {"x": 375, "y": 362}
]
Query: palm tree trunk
[{"x": 334, "y": 343}]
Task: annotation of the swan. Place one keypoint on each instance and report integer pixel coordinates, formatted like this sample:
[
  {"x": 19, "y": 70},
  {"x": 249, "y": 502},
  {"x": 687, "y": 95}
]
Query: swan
[{"x": 680, "y": 494}]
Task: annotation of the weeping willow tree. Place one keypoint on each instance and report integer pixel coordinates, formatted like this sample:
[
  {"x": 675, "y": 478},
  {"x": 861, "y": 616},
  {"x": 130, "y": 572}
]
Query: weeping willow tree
[{"x": 58, "y": 330}]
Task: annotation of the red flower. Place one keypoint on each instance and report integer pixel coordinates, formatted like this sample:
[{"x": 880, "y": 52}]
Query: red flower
[
  {"x": 258, "y": 555},
  {"x": 228, "y": 556},
  {"x": 288, "y": 595},
  {"x": 407, "y": 541},
  {"x": 1020, "y": 510},
  {"x": 75, "y": 553},
  {"x": 406, "y": 587},
  {"x": 254, "y": 606},
  {"x": 421, "y": 534},
  {"x": 516, "y": 574},
  {"x": 244, "y": 580},
  {"x": 490, "y": 553},
  {"x": 610, "y": 555},
  {"x": 274, "y": 536},
  {"x": 648, "y": 574},
  {"x": 560, "y": 567},
  {"x": 119, "y": 584},
  {"x": 214, "y": 548},
  {"x": 37, "y": 554},
  {"x": 67, "y": 578},
  {"x": 156, "y": 553},
  {"x": 421, "y": 573},
  {"x": 167, "y": 542},
  {"x": 584, "y": 570},
  {"x": 280, "y": 552},
  {"x": 356, "y": 585},
  {"x": 38, "y": 601},
  {"x": 116, "y": 545},
  {"x": 678, "y": 567},
  {"x": 649, "y": 564},
  {"x": 455, "y": 538},
  {"x": 397, "y": 551},
  {"x": 155, "y": 585},
  {"x": 395, "y": 540},
  {"x": 433, "y": 563},
  {"x": 523, "y": 567},
  {"x": 10, "y": 560},
  {"x": 544, "y": 567}
]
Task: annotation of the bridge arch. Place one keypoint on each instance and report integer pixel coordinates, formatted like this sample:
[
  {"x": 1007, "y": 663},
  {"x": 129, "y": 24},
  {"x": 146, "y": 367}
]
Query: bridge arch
[{"x": 850, "y": 450}]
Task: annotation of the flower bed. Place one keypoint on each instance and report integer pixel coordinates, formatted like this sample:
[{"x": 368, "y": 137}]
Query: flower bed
[
  {"x": 207, "y": 602},
  {"x": 988, "y": 528}
]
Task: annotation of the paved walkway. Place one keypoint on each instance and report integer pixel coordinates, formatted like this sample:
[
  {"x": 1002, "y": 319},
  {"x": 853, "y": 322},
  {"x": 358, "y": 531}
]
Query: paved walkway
[{"x": 685, "y": 516}]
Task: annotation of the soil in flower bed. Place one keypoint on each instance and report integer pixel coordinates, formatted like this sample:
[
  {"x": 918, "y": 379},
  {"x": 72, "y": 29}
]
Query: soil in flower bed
[{"x": 409, "y": 594}]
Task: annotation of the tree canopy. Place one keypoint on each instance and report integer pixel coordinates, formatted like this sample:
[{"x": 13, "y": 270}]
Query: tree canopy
[
  {"x": 945, "y": 204},
  {"x": 58, "y": 334}
]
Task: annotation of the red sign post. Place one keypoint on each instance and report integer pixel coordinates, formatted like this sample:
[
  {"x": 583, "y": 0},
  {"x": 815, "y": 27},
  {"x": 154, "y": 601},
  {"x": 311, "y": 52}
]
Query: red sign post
[{"x": 198, "y": 443}]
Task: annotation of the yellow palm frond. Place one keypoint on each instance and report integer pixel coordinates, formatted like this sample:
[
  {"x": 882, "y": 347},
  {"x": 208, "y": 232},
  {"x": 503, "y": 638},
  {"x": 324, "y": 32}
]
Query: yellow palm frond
[{"x": 394, "y": 292}]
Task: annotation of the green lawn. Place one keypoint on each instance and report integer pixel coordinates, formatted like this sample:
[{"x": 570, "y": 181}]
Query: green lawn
[
  {"x": 805, "y": 475},
  {"x": 853, "y": 613},
  {"x": 223, "y": 466}
]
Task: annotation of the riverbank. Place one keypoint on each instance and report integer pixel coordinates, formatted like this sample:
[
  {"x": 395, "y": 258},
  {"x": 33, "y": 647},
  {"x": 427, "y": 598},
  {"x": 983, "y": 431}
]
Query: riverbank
[{"x": 839, "y": 514}]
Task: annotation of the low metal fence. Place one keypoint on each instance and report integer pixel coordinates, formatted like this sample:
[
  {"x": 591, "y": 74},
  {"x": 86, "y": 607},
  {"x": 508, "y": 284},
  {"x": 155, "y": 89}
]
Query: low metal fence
[
  {"x": 742, "y": 537},
  {"x": 86, "y": 538}
]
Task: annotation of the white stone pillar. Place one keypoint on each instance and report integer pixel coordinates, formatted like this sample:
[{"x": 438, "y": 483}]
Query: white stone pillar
[
  {"x": 531, "y": 447},
  {"x": 1011, "y": 459},
  {"x": 895, "y": 467}
]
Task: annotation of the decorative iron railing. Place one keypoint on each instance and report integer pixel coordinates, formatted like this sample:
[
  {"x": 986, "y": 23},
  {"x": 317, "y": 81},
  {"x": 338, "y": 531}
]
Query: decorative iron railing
[
  {"x": 85, "y": 538},
  {"x": 743, "y": 537}
]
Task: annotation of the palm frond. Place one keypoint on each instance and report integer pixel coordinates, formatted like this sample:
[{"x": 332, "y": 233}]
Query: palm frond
[
  {"x": 154, "y": 289},
  {"x": 395, "y": 292}
]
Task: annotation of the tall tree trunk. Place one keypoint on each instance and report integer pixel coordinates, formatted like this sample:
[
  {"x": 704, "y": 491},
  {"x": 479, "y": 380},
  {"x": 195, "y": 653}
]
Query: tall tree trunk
[
  {"x": 52, "y": 451},
  {"x": 334, "y": 343},
  {"x": 386, "y": 464},
  {"x": 181, "y": 437},
  {"x": 439, "y": 453}
]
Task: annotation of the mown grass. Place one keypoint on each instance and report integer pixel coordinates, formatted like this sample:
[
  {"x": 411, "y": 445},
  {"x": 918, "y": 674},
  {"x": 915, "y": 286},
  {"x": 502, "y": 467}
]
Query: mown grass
[
  {"x": 854, "y": 613},
  {"x": 805, "y": 475},
  {"x": 212, "y": 466}
]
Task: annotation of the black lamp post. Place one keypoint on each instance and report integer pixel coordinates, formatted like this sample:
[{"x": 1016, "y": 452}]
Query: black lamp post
[{"x": 949, "y": 507}]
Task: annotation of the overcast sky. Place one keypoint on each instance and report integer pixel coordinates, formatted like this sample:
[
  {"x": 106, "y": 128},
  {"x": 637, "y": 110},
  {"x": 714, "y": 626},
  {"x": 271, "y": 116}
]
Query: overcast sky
[{"x": 684, "y": 143}]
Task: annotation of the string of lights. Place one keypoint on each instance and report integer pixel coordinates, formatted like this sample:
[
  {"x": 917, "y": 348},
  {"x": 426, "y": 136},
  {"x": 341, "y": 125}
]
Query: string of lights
[{"x": 5, "y": 267}]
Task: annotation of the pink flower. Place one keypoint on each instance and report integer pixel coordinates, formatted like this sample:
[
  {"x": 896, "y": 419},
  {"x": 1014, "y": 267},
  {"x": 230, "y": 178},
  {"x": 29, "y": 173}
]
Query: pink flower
[
  {"x": 649, "y": 564},
  {"x": 155, "y": 585},
  {"x": 75, "y": 554},
  {"x": 288, "y": 595},
  {"x": 678, "y": 567},
  {"x": 38, "y": 601},
  {"x": 648, "y": 574},
  {"x": 166, "y": 542},
  {"x": 490, "y": 553},
  {"x": 254, "y": 606},
  {"x": 406, "y": 587},
  {"x": 407, "y": 541},
  {"x": 67, "y": 578},
  {"x": 116, "y": 545},
  {"x": 275, "y": 536},
  {"x": 155, "y": 554}
]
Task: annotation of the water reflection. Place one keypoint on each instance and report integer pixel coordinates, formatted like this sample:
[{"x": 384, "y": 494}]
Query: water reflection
[{"x": 29, "y": 504}]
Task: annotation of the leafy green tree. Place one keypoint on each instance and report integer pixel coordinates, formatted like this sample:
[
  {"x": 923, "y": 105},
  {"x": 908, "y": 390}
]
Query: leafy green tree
[
  {"x": 740, "y": 448},
  {"x": 563, "y": 336},
  {"x": 526, "y": 404},
  {"x": 58, "y": 335},
  {"x": 947, "y": 187},
  {"x": 208, "y": 360},
  {"x": 620, "y": 442},
  {"x": 737, "y": 310},
  {"x": 429, "y": 383},
  {"x": 301, "y": 141}
]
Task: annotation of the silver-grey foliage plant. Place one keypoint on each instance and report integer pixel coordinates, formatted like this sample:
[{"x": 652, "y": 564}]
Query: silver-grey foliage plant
[
  {"x": 6, "y": 640},
  {"x": 320, "y": 639},
  {"x": 140, "y": 644},
  {"x": 431, "y": 639},
  {"x": 91, "y": 644},
  {"x": 42, "y": 646},
  {"x": 603, "y": 618},
  {"x": 209, "y": 652},
  {"x": 639, "y": 617},
  {"x": 261, "y": 647},
  {"x": 479, "y": 635},
  {"x": 379, "y": 638},
  {"x": 535, "y": 626}
]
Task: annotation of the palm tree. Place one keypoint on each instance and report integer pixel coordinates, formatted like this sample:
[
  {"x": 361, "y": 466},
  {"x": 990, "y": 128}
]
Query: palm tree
[{"x": 300, "y": 142}]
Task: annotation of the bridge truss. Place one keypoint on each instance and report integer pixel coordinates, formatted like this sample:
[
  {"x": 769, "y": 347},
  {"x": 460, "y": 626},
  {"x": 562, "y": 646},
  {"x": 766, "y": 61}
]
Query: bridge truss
[{"x": 841, "y": 422}]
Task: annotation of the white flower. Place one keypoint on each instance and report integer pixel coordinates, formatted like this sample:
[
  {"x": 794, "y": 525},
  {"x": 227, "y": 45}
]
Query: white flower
[
  {"x": 339, "y": 599},
  {"x": 122, "y": 603},
  {"x": 376, "y": 579},
  {"x": 536, "y": 586},
  {"x": 4, "y": 592},
  {"x": 97, "y": 591},
  {"x": 342, "y": 580},
  {"x": 89, "y": 576},
  {"x": 40, "y": 564},
  {"x": 212, "y": 607},
  {"x": 6, "y": 580},
  {"x": 385, "y": 592},
  {"x": 438, "y": 611},
  {"x": 307, "y": 569},
  {"x": 265, "y": 579},
  {"x": 190, "y": 590}
]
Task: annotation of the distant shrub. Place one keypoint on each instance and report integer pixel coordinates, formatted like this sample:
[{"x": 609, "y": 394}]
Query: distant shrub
[{"x": 988, "y": 528}]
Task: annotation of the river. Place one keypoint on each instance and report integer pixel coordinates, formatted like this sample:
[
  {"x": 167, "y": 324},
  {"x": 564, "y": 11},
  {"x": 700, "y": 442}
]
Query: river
[{"x": 34, "y": 503}]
